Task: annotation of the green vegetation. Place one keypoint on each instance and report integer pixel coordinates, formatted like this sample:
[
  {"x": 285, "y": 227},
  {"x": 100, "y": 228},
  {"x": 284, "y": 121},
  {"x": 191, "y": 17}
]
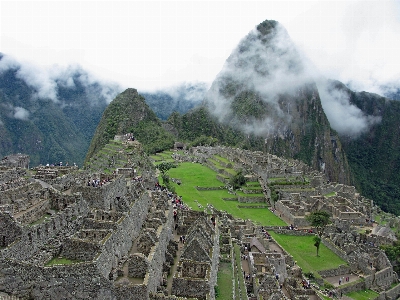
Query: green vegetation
[
  {"x": 374, "y": 157},
  {"x": 129, "y": 113},
  {"x": 393, "y": 254},
  {"x": 330, "y": 194},
  {"x": 317, "y": 243},
  {"x": 224, "y": 281},
  {"x": 319, "y": 219},
  {"x": 193, "y": 175},
  {"x": 238, "y": 273},
  {"x": 301, "y": 248},
  {"x": 237, "y": 180},
  {"x": 363, "y": 295},
  {"x": 41, "y": 220},
  {"x": 61, "y": 261}
]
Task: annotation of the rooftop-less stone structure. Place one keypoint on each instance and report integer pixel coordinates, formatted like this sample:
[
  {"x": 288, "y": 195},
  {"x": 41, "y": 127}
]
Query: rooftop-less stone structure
[{"x": 73, "y": 234}]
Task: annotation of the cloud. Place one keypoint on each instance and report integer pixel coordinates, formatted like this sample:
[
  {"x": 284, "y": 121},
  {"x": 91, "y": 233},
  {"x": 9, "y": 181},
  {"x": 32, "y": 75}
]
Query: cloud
[
  {"x": 95, "y": 86},
  {"x": 15, "y": 112},
  {"x": 7, "y": 62},
  {"x": 267, "y": 63},
  {"x": 46, "y": 80},
  {"x": 356, "y": 42},
  {"x": 21, "y": 113},
  {"x": 273, "y": 68},
  {"x": 193, "y": 92},
  {"x": 345, "y": 118}
]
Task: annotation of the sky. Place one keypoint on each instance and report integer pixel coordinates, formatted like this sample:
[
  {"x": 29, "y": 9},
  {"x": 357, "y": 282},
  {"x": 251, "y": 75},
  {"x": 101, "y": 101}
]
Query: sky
[{"x": 151, "y": 45}]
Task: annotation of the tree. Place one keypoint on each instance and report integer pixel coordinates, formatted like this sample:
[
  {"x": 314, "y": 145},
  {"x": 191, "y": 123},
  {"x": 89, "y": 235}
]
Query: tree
[
  {"x": 317, "y": 242},
  {"x": 238, "y": 180},
  {"x": 319, "y": 219},
  {"x": 165, "y": 166}
]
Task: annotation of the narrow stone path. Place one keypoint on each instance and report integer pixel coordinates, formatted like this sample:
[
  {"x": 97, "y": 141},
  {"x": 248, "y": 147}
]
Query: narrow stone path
[{"x": 175, "y": 265}]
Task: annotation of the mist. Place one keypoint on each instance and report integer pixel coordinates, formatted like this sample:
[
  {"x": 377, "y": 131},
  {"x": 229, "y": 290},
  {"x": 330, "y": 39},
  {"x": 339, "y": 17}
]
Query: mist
[
  {"x": 345, "y": 118},
  {"x": 267, "y": 64},
  {"x": 46, "y": 81},
  {"x": 272, "y": 66}
]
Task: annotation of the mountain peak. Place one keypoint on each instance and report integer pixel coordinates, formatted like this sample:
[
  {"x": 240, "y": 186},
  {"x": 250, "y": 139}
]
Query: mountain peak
[{"x": 267, "y": 26}]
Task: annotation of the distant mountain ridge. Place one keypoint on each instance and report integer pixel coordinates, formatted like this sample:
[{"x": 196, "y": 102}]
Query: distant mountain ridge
[
  {"x": 51, "y": 119},
  {"x": 263, "y": 99},
  {"x": 53, "y": 116},
  {"x": 181, "y": 98}
]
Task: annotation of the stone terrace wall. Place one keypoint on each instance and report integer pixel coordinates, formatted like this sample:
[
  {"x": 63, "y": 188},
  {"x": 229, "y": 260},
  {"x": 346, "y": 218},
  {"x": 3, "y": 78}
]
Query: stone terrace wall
[
  {"x": 103, "y": 197},
  {"x": 244, "y": 199},
  {"x": 341, "y": 270},
  {"x": 339, "y": 252},
  {"x": 10, "y": 230},
  {"x": 393, "y": 293},
  {"x": 214, "y": 263},
  {"x": 193, "y": 288},
  {"x": 78, "y": 281},
  {"x": 80, "y": 250},
  {"x": 157, "y": 255},
  {"x": 120, "y": 241},
  {"x": 63, "y": 223}
]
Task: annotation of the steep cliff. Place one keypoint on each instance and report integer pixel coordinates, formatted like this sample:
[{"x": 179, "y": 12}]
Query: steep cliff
[
  {"x": 374, "y": 154},
  {"x": 129, "y": 113},
  {"x": 264, "y": 99}
]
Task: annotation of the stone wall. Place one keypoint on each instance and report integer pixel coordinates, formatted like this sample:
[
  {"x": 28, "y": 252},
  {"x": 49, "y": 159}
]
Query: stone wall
[
  {"x": 339, "y": 252},
  {"x": 78, "y": 249},
  {"x": 138, "y": 265},
  {"x": 120, "y": 241},
  {"x": 191, "y": 288},
  {"x": 244, "y": 199},
  {"x": 63, "y": 223},
  {"x": 104, "y": 197},
  {"x": 10, "y": 230},
  {"x": 384, "y": 278},
  {"x": 78, "y": 281},
  {"x": 157, "y": 255},
  {"x": 393, "y": 293},
  {"x": 341, "y": 270}
]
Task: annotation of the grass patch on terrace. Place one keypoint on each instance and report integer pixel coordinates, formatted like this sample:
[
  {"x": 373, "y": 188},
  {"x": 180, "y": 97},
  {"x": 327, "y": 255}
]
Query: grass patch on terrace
[
  {"x": 304, "y": 252},
  {"x": 379, "y": 219},
  {"x": 242, "y": 194},
  {"x": 218, "y": 166},
  {"x": 192, "y": 175},
  {"x": 238, "y": 273},
  {"x": 223, "y": 159},
  {"x": 224, "y": 281},
  {"x": 41, "y": 220},
  {"x": 253, "y": 184},
  {"x": 330, "y": 194},
  {"x": 363, "y": 295},
  {"x": 61, "y": 261}
]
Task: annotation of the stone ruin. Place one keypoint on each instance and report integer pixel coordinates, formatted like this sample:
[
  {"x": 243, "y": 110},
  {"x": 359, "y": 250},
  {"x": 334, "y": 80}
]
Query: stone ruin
[
  {"x": 15, "y": 161},
  {"x": 298, "y": 197},
  {"x": 63, "y": 238}
]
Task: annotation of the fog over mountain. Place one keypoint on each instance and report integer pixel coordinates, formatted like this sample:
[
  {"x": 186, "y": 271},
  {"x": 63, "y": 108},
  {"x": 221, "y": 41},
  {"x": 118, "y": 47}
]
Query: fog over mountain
[{"x": 273, "y": 66}]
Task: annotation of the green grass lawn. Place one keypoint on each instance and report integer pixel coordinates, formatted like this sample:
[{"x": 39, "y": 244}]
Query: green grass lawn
[
  {"x": 61, "y": 261},
  {"x": 223, "y": 159},
  {"x": 238, "y": 263},
  {"x": 192, "y": 175},
  {"x": 304, "y": 252},
  {"x": 41, "y": 220},
  {"x": 363, "y": 295},
  {"x": 224, "y": 281},
  {"x": 330, "y": 194}
]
